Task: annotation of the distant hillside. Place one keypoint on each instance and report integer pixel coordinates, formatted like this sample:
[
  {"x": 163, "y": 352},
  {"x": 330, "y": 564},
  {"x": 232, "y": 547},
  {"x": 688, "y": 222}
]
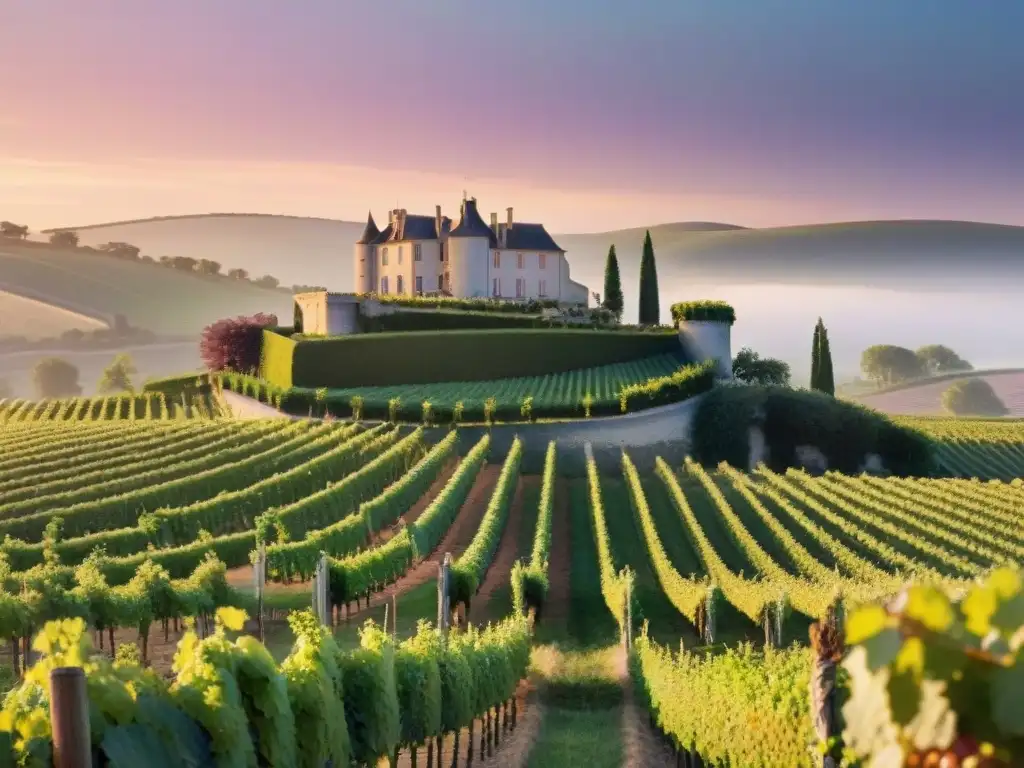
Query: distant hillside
[
  {"x": 150, "y": 296},
  {"x": 925, "y": 399},
  {"x": 910, "y": 254}
]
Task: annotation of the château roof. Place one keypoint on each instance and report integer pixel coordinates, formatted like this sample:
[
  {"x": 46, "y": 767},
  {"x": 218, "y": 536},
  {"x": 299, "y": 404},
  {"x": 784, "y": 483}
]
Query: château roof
[
  {"x": 471, "y": 225},
  {"x": 370, "y": 233},
  {"x": 529, "y": 237}
]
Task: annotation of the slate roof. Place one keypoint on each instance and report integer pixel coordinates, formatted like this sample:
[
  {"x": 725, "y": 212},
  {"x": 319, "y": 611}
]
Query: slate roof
[
  {"x": 471, "y": 225},
  {"x": 370, "y": 233},
  {"x": 530, "y": 237},
  {"x": 416, "y": 228}
]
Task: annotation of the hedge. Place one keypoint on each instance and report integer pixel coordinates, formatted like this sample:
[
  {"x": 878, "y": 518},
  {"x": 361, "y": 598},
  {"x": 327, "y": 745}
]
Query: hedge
[
  {"x": 424, "y": 358},
  {"x": 446, "y": 321},
  {"x": 706, "y": 310},
  {"x": 531, "y": 307},
  {"x": 845, "y": 433},
  {"x": 173, "y": 387}
]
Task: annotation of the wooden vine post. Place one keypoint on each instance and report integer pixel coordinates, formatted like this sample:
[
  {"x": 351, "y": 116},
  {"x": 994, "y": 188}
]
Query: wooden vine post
[
  {"x": 69, "y": 718},
  {"x": 321, "y": 579},
  {"x": 827, "y": 644},
  {"x": 259, "y": 574},
  {"x": 443, "y": 599}
]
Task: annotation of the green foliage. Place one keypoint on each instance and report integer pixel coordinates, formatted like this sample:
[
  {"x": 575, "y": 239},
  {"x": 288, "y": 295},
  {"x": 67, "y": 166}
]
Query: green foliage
[
  {"x": 389, "y": 359},
  {"x": 709, "y": 704},
  {"x": 117, "y": 377},
  {"x": 530, "y": 582},
  {"x": 704, "y": 311},
  {"x": 418, "y": 684},
  {"x": 937, "y": 359},
  {"x": 469, "y": 569},
  {"x": 54, "y": 377},
  {"x": 972, "y": 397},
  {"x": 933, "y": 674},
  {"x": 888, "y": 364},
  {"x": 687, "y": 382},
  {"x": 844, "y": 432},
  {"x": 613, "y": 299},
  {"x": 749, "y": 367},
  {"x": 371, "y": 706},
  {"x": 822, "y": 377},
  {"x": 650, "y": 311}
]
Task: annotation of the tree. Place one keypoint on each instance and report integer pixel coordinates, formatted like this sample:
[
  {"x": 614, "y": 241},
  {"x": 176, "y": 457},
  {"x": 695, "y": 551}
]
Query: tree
[
  {"x": 54, "y": 377},
  {"x": 886, "y": 363},
  {"x": 816, "y": 354},
  {"x": 117, "y": 377},
  {"x": 826, "y": 378},
  {"x": 10, "y": 229},
  {"x": 936, "y": 358},
  {"x": 268, "y": 282},
  {"x": 233, "y": 344},
  {"x": 208, "y": 267},
  {"x": 973, "y": 397},
  {"x": 238, "y": 274},
  {"x": 613, "y": 300},
  {"x": 120, "y": 250},
  {"x": 650, "y": 312},
  {"x": 66, "y": 238},
  {"x": 751, "y": 368}
]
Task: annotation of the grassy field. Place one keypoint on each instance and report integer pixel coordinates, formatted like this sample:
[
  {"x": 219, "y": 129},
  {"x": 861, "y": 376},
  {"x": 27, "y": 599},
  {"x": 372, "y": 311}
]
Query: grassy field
[
  {"x": 155, "y": 298},
  {"x": 755, "y": 551}
]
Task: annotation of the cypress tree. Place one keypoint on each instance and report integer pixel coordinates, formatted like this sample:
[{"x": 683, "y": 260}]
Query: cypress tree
[
  {"x": 613, "y": 300},
  {"x": 826, "y": 379},
  {"x": 815, "y": 355},
  {"x": 649, "y": 310}
]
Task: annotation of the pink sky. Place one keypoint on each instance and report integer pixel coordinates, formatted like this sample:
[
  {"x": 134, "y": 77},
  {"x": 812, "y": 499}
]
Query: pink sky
[{"x": 587, "y": 115}]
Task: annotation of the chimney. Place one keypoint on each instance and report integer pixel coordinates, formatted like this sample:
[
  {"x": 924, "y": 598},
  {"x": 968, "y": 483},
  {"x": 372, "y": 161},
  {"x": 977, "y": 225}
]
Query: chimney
[
  {"x": 509, "y": 218},
  {"x": 494, "y": 222},
  {"x": 391, "y": 218},
  {"x": 437, "y": 220}
]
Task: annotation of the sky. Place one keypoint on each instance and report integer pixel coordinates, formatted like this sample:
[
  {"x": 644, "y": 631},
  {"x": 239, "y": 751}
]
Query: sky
[{"x": 588, "y": 115}]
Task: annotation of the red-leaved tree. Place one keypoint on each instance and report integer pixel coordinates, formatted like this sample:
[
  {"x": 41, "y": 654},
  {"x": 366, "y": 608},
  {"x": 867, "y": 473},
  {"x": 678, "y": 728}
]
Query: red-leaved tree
[{"x": 233, "y": 344}]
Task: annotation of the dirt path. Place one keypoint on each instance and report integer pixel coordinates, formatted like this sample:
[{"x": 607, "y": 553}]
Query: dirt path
[
  {"x": 497, "y": 575},
  {"x": 513, "y": 748},
  {"x": 241, "y": 577},
  {"x": 455, "y": 541},
  {"x": 556, "y": 608},
  {"x": 417, "y": 509},
  {"x": 642, "y": 746}
]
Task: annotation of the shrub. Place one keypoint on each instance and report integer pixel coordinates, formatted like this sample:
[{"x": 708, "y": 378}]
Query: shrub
[
  {"x": 973, "y": 397},
  {"x": 55, "y": 377},
  {"x": 845, "y": 433},
  {"x": 750, "y": 368},
  {"x": 706, "y": 310},
  {"x": 234, "y": 344}
]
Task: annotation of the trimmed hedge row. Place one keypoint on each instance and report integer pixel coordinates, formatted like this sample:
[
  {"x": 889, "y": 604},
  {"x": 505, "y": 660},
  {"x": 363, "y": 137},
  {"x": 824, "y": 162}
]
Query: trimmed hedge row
[
  {"x": 706, "y": 310},
  {"x": 477, "y": 355},
  {"x": 530, "y": 307},
  {"x": 844, "y": 432},
  {"x": 469, "y": 569},
  {"x": 360, "y": 574},
  {"x": 298, "y": 558},
  {"x": 530, "y": 582}
]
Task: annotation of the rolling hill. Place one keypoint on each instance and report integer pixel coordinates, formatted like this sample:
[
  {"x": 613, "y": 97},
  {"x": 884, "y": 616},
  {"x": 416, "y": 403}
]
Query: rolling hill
[
  {"x": 96, "y": 286},
  {"x": 925, "y": 399},
  {"x": 908, "y": 253}
]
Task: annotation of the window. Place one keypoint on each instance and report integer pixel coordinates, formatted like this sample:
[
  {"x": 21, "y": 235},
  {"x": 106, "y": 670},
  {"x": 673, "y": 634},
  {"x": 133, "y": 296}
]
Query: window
[
  {"x": 441, "y": 251},
  {"x": 419, "y": 284},
  {"x": 399, "y": 261},
  {"x": 542, "y": 259},
  {"x": 418, "y": 252},
  {"x": 383, "y": 285},
  {"x": 384, "y": 259},
  {"x": 398, "y": 281},
  {"x": 543, "y": 287},
  {"x": 440, "y": 282},
  {"x": 496, "y": 287},
  {"x": 520, "y": 259},
  {"x": 497, "y": 261},
  {"x": 520, "y": 287}
]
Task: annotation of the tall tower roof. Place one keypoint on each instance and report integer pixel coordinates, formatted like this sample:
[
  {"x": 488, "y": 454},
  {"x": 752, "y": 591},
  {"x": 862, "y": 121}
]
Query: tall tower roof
[
  {"x": 471, "y": 225},
  {"x": 370, "y": 233}
]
